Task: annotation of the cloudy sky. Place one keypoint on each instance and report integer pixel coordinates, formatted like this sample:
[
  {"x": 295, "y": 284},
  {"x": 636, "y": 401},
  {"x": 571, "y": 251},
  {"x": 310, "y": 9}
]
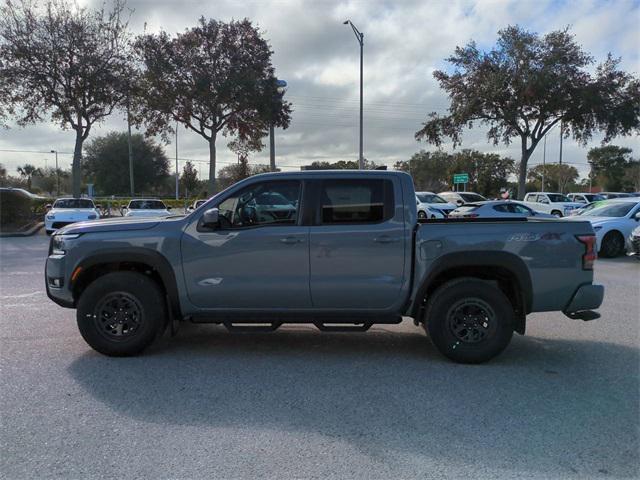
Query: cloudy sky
[{"x": 405, "y": 41}]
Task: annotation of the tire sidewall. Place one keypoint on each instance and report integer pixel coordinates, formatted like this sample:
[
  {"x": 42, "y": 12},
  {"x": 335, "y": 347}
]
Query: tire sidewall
[
  {"x": 146, "y": 293},
  {"x": 606, "y": 251},
  {"x": 444, "y": 339}
]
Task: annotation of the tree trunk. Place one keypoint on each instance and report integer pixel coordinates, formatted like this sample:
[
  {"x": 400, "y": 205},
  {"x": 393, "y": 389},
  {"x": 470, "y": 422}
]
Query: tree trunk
[
  {"x": 75, "y": 168},
  {"x": 212, "y": 164},
  {"x": 522, "y": 174}
]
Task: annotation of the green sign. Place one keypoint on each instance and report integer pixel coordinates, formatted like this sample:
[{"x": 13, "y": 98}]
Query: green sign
[{"x": 460, "y": 178}]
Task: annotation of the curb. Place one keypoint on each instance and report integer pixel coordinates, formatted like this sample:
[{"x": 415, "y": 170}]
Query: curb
[{"x": 26, "y": 233}]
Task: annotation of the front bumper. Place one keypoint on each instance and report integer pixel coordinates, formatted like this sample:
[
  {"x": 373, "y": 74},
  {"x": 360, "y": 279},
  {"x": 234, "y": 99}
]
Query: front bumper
[
  {"x": 55, "y": 269},
  {"x": 586, "y": 299}
]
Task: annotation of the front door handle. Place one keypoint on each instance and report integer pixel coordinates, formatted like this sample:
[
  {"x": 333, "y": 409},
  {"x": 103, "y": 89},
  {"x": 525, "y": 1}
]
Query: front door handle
[
  {"x": 385, "y": 239},
  {"x": 291, "y": 240}
]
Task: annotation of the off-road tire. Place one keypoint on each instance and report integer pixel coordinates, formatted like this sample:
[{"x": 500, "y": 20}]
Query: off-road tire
[
  {"x": 144, "y": 318},
  {"x": 442, "y": 318}
]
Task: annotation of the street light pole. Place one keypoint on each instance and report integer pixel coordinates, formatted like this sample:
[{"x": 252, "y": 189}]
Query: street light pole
[
  {"x": 57, "y": 174},
  {"x": 544, "y": 159},
  {"x": 130, "y": 150},
  {"x": 177, "y": 173},
  {"x": 360, "y": 37}
]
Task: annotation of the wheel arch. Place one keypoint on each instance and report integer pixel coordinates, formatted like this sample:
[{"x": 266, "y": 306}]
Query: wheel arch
[
  {"x": 506, "y": 269},
  {"x": 141, "y": 260}
]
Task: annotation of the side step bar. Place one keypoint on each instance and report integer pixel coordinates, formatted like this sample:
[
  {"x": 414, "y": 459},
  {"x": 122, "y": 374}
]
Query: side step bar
[{"x": 273, "y": 326}]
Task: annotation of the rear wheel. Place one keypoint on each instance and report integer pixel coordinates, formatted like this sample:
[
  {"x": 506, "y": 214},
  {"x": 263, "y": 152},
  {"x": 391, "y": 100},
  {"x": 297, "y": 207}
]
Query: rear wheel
[
  {"x": 557, "y": 213},
  {"x": 121, "y": 313},
  {"x": 612, "y": 245},
  {"x": 469, "y": 320}
]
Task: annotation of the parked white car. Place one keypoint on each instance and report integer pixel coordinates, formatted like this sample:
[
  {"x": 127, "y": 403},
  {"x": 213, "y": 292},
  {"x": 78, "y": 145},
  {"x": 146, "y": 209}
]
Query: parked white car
[
  {"x": 195, "y": 205},
  {"x": 613, "y": 221},
  {"x": 496, "y": 209},
  {"x": 431, "y": 205},
  {"x": 555, "y": 204},
  {"x": 66, "y": 211},
  {"x": 146, "y": 208}
]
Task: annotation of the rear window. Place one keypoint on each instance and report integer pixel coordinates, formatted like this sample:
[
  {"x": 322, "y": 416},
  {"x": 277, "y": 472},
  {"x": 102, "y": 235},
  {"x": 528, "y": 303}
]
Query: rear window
[
  {"x": 147, "y": 205},
  {"x": 430, "y": 198},
  {"x": 73, "y": 203},
  {"x": 356, "y": 201},
  {"x": 467, "y": 208}
]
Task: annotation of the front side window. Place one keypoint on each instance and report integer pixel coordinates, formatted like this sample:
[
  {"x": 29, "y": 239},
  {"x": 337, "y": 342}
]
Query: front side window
[
  {"x": 430, "y": 198},
  {"x": 557, "y": 198},
  {"x": 356, "y": 201},
  {"x": 268, "y": 203}
]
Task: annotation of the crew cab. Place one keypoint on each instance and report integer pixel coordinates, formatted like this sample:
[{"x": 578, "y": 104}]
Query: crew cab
[
  {"x": 555, "y": 204},
  {"x": 343, "y": 250}
]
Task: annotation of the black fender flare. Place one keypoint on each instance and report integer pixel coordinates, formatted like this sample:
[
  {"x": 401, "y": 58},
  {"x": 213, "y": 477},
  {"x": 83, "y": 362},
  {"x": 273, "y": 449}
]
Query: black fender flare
[
  {"x": 152, "y": 258},
  {"x": 478, "y": 259}
]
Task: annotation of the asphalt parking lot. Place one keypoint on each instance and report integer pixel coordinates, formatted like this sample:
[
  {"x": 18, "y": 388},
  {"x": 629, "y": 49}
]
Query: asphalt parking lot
[{"x": 561, "y": 402}]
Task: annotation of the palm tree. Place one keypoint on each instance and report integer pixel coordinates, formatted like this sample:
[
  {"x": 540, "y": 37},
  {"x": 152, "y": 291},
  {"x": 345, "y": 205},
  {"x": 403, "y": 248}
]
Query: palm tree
[{"x": 28, "y": 171}]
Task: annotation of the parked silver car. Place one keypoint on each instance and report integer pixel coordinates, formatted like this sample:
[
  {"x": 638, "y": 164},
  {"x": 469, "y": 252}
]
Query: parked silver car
[{"x": 496, "y": 209}]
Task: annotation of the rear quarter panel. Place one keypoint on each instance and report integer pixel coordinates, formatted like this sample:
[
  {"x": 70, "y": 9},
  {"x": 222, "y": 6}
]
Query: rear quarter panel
[{"x": 548, "y": 248}]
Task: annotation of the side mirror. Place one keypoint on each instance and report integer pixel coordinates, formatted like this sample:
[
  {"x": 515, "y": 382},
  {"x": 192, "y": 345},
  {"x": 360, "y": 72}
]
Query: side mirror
[
  {"x": 459, "y": 202},
  {"x": 637, "y": 216},
  {"x": 168, "y": 208},
  {"x": 211, "y": 218}
]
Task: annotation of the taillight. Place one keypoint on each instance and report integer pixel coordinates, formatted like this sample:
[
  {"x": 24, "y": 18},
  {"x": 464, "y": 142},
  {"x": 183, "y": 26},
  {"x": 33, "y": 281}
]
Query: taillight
[{"x": 590, "y": 254}]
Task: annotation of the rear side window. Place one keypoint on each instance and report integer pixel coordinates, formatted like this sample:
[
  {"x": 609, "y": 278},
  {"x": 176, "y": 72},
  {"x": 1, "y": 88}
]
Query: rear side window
[{"x": 356, "y": 201}]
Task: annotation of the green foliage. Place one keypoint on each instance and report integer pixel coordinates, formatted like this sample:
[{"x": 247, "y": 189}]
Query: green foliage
[
  {"x": 609, "y": 166},
  {"x": 527, "y": 84},
  {"x": 433, "y": 171},
  {"x": 107, "y": 164},
  {"x": 341, "y": 165},
  {"x": 65, "y": 61},
  {"x": 234, "y": 173},
  {"x": 189, "y": 183},
  {"x": 28, "y": 171},
  {"x": 557, "y": 178},
  {"x": 216, "y": 77}
]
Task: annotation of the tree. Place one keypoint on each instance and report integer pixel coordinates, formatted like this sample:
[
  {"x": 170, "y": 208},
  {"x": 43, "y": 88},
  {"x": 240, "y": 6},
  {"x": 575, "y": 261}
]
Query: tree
[
  {"x": 341, "y": 165},
  {"x": 608, "y": 165},
  {"x": 214, "y": 78},
  {"x": 632, "y": 176},
  {"x": 28, "y": 171},
  {"x": 433, "y": 171},
  {"x": 430, "y": 170},
  {"x": 107, "y": 163},
  {"x": 557, "y": 177},
  {"x": 66, "y": 61},
  {"x": 526, "y": 85},
  {"x": 3, "y": 171},
  {"x": 189, "y": 179},
  {"x": 47, "y": 181}
]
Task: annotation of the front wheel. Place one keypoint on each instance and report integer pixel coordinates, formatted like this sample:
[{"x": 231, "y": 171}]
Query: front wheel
[
  {"x": 121, "y": 313},
  {"x": 612, "y": 245},
  {"x": 469, "y": 320},
  {"x": 422, "y": 215}
]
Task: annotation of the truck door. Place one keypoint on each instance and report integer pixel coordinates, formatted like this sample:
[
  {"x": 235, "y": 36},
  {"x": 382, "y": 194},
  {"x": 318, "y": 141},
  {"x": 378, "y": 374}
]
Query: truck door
[
  {"x": 357, "y": 247},
  {"x": 258, "y": 256}
]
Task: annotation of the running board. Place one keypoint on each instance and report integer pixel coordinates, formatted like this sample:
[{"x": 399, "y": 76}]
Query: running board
[
  {"x": 356, "y": 327},
  {"x": 252, "y": 328}
]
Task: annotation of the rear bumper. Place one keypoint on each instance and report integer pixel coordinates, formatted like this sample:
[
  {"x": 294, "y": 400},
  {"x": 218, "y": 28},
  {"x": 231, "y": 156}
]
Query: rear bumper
[{"x": 587, "y": 297}]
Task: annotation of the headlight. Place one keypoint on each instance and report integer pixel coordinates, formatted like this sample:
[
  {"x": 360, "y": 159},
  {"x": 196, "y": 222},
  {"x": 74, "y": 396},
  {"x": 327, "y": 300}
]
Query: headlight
[
  {"x": 51, "y": 216},
  {"x": 598, "y": 228},
  {"x": 58, "y": 242},
  {"x": 92, "y": 217}
]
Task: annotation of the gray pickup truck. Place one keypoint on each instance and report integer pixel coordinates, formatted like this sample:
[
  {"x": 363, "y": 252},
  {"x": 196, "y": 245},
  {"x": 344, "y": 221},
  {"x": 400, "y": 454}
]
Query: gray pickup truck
[{"x": 342, "y": 250}]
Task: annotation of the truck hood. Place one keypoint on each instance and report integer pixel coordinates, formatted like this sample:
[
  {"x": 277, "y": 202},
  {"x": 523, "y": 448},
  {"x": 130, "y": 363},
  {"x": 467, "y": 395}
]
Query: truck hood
[{"x": 112, "y": 225}]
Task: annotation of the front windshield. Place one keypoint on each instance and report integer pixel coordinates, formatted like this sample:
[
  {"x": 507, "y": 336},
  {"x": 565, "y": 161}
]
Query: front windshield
[
  {"x": 146, "y": 205},
  {"x": 556, "y": 197},
  {"x": 73, "y": 203},
  {"x": 618, "y": 209},
  {"x": 472, "y": 197},
  {"x": 430, "y": 198}
]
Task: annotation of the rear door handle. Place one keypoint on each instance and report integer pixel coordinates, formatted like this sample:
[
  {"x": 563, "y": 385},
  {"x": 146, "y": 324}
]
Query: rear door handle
[
  {"x": 385, "y": 239},
  {"x": 291, "y": 240}
]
